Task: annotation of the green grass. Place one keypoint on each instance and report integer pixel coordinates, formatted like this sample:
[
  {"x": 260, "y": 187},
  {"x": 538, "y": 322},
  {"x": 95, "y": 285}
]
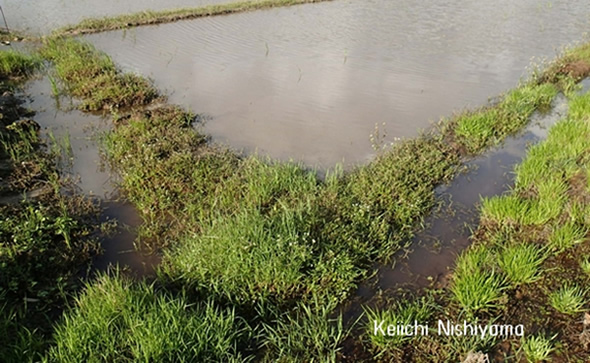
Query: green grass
[
  {"x": 17, "y": 64},
  {"x": 537, "y": 348},
  {"x": 310, "y": 334},
  {"x": 566, "y": 236},
  {"x": 263, "y": 237},
  {"x": 569, "y": 299},
  {"x": 477, "y": 284},
  {"x": 116, "y": 320},
  {"x": 165, "y": 16},
  {"x": 94, "y": 78},
  {"x": 20, "y": 343},
  {"x": 399, "y": 313},
  {"x": 521, "y": 263},
  {"x": 585, "y": 265},
  {"x": 486, "y": 127}
]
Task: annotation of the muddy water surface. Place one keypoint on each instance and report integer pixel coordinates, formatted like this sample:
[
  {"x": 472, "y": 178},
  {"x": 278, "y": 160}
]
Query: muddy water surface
[
  {"x": 63, "y": 121},
  {"x": 60, "y": 118},
  {"x": 310, "y": 82},
  {"x": 36, "y": 16}
]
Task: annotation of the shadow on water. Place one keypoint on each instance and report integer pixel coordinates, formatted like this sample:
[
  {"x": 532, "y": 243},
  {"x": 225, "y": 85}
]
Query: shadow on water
[
  {"x": 60, "y": 118},
  {"x": 434, "y": 250},
  {"x": 119, "y": 249}
]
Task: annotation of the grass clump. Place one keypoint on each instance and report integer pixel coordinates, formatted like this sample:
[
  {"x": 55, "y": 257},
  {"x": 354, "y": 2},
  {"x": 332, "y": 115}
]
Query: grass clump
[
  {"x": 521, "y": 263},
  {"x": 400, "y": 313},
  {"x": 246, "y": 257},
  {"x": 20, "y": 343},
  {"x": 93, "y": 77},
  {"x": 537, "y": 348},
  {"x": 309, "y": 334},
  {"x": 547, "y": 205},
  {"x": 477, "y": 284},
  {"x": 566, "y": 236},
  {"x": 16, "y": 64},
  {"x": 115, "y": 320},
  {"x": 157, "y": 17},
  {"x": 569, "y": 299}
]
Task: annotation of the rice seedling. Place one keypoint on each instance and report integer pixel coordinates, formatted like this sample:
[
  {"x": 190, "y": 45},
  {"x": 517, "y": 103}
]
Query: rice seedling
[
  {"x": 537, "y": 348},
  {"x": 569, "y": 299},
  {"x": 521, "y": 263}
]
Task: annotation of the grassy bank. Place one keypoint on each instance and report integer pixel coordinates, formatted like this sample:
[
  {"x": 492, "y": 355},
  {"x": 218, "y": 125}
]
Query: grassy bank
[
  {"x": 270, "y": 241},
  {"x": 88, "y": 26},
  {"x": 44, "y": 232},
  {"x": 528, "y": 263}
]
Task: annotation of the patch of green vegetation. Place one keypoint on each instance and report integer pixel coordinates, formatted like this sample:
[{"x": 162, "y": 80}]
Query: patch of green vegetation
[
  {"x": 585, "y": 265},
  {"x": 537, "y": 348},
  {"x": 521, "y": 263},
  {"x": 566, "y": 236},
  {"x": 44, "y": 233},
  {"x": 514, "y": 209},
  {"x": 93, "y": 77},
  {"x": 116, "y": 320},
  {"x": 264, "y": 237},
  {"x": 477, "y": 284},
  {"x": 569, "y": 299},
  {"x": 17, "y": 64},
  {"x": 166, "y": 16},
  {"x": 20, "y": 343},
  {"x": 399, "y": 314},
  {"x": 309, "y": 334},
  {"x": 486, "y": 127}
]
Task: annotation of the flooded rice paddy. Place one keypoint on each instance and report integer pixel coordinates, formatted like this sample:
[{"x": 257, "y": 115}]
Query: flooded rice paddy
[
  {"x": 310, "y": 82},
  {"x": 40, "y": 17}
]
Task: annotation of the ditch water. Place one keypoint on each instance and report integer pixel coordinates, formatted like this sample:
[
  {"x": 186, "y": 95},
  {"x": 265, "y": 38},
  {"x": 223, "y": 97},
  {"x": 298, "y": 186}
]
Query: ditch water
[
  {"x": 310, "y": 82},
  {"x": 92, "y": 178},
  {"x": 433, "y": 251}
]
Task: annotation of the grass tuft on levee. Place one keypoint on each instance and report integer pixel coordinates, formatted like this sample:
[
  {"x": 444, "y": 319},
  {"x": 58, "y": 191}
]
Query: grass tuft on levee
[{"x": 116, "y": 320}]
